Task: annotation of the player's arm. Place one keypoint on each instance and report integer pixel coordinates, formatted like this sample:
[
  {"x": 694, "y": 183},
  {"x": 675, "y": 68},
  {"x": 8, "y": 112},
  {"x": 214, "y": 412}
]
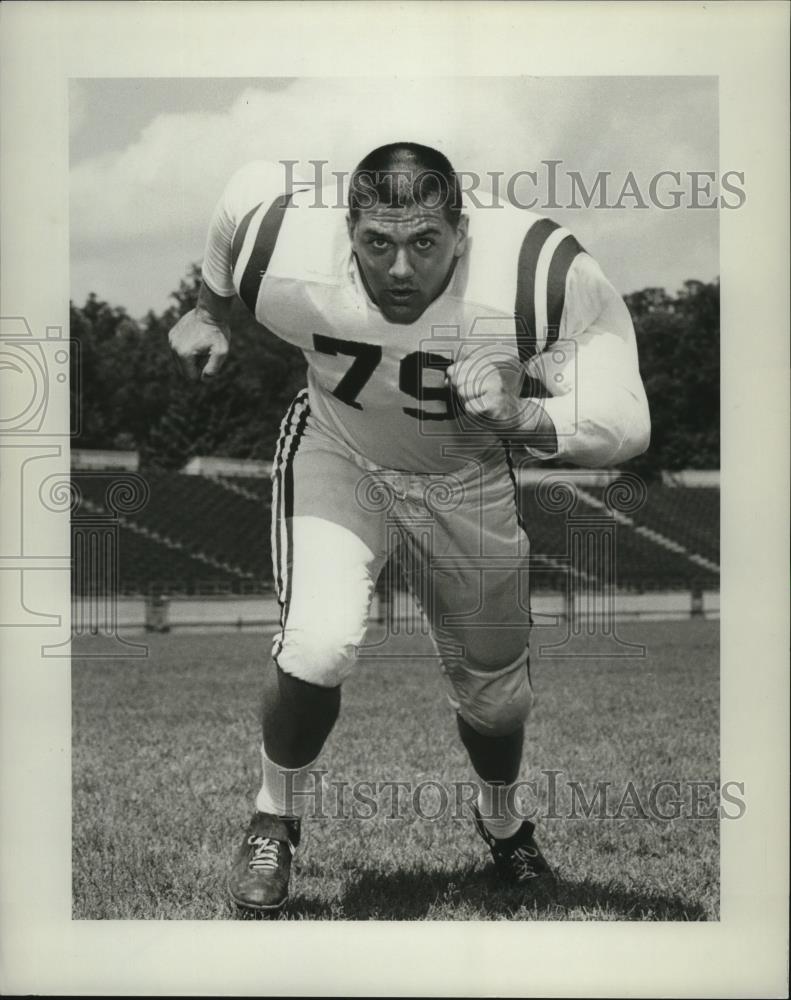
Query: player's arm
[
  {"x": 598, "y": 407},
  {"x": 201, "y": 338},
  {"x": 489, "y": 392},
  {"x": 596, "y": 413},
  {"x": 204, "y": 332}
]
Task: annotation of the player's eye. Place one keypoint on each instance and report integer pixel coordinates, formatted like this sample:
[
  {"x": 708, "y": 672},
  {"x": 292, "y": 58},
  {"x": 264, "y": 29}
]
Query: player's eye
[
  {"x": 424, "y": 243},
  {"x": 379, "y": 243}
]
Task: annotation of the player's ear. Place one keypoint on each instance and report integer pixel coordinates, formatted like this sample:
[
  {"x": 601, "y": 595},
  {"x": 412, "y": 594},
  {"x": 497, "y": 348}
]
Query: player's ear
[
  {"x": 461, "y": 235},
  {"x": 349, "y": 226}
]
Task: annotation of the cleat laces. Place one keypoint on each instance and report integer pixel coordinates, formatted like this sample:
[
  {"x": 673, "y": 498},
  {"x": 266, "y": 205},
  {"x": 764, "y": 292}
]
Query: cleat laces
[
  {"x": 265, "y": 855},
  {"x": 522, "y": 863}
]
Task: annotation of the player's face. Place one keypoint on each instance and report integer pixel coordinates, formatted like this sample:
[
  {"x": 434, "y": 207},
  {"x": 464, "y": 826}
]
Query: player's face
[{"x": 406, "y": 257}]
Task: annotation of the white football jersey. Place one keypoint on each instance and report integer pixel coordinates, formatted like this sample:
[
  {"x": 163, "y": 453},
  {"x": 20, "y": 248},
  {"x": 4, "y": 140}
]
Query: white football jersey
[{"x": 524, "y": 289}]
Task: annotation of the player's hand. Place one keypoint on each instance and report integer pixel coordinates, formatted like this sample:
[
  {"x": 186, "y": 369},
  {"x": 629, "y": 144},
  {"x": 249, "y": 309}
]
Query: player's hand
[
  {"x": 193, "y": 338},
  {"x": 487, "y": 389}
]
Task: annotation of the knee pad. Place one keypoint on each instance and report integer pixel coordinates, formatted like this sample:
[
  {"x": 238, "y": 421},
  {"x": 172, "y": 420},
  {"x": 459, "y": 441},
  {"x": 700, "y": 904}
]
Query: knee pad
[
  {"x": 494, "y": 702},
  {"x": 325, "y": 660}
]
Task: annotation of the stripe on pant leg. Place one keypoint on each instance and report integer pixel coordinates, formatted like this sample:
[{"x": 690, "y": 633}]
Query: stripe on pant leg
[
  {"x": 277, "y": 467},
  {"x": 283, "y": 443},
  {"x": 288, "y": 504},
  {"x": 292, "y": 430},
  {"x": 509, "y": 461}
]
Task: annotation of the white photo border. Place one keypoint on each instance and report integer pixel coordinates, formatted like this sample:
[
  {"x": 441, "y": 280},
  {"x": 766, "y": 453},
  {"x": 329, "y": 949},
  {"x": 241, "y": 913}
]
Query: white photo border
[{"x": 745, "y": 45}]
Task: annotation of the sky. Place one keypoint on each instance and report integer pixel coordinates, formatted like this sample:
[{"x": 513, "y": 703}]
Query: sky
[{"x": 150, "y": 158}]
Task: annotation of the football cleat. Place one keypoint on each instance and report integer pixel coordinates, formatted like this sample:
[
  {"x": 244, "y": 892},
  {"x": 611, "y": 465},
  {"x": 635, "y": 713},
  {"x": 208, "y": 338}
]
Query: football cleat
[
  {"x": 261, "y": 867},
  {"x": 517, "y": 859}
]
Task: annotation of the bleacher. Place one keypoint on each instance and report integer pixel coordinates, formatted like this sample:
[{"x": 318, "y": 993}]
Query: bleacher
[
  {"x": 689, "y": 514},
  {"x": 199, "y": 534},
  {"x": 671, "y": 541},
  {"x": 147, "y": 566},
  {"x": 257, "y": 486},
  {"x": 643, "y": 562},
  {"x": 193, "y": 535}
]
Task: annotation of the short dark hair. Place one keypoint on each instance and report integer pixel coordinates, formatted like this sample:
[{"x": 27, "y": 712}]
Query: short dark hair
[{"x": 401, "y": 174}]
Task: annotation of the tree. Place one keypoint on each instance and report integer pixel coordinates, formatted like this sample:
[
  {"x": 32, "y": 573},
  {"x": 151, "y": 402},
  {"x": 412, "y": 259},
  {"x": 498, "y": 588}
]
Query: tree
[
  {"x": 679, "y": 349},
  {"x": 131, "y": 391}
]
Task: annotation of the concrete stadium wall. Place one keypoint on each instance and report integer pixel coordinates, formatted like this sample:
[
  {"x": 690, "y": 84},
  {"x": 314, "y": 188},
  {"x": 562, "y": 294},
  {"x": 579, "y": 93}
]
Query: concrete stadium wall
[{"x": 261, "y": 612}]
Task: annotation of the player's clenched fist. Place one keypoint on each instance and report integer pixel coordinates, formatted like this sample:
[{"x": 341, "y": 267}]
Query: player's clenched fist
[
  {"x": 195, "y": 336},
  {"x": 487, "y": 388}
]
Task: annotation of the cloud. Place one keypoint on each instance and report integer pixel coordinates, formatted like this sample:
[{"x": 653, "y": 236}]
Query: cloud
[
  {"x": 154, "y": 197},
  {"x": 168, "y": 179}
]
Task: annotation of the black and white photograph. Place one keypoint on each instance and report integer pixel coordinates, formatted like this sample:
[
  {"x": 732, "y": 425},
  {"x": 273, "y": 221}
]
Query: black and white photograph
[
  {"x": 380, "y": 452},
  {"x": 409, "y": 412}
]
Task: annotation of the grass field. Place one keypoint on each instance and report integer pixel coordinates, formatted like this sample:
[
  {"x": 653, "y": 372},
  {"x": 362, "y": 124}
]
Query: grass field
[{"x": 165, "y": 768}]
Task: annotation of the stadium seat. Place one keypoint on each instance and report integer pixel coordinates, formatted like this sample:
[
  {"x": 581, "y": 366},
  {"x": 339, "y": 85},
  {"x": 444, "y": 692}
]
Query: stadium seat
[{"x": 202, "y": 535}]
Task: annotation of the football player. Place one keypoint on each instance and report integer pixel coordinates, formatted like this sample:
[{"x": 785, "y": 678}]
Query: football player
[{"x": 442, "y": 340}]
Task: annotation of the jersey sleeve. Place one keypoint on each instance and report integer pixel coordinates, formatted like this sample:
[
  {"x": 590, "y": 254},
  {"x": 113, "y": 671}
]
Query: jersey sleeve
[
  {"x": 585, "y": 360},
  {"x": 255, "y": 183}
]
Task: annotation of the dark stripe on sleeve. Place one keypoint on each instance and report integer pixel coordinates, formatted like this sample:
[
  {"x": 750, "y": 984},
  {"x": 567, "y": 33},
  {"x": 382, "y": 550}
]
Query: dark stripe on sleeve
[
  {"x": 239, "y": 235},
  {"x": 525, "y": 303},
  {"x": 562, "y": 259},
  {"x": 262, "y": 252}
]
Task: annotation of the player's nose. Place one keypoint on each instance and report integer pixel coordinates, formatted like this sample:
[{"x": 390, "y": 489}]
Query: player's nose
[{"x": 401, "y": 267}]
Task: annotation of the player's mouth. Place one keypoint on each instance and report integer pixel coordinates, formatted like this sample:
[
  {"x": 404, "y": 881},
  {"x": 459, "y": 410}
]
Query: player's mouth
[{"x": 401, "y": 296}]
